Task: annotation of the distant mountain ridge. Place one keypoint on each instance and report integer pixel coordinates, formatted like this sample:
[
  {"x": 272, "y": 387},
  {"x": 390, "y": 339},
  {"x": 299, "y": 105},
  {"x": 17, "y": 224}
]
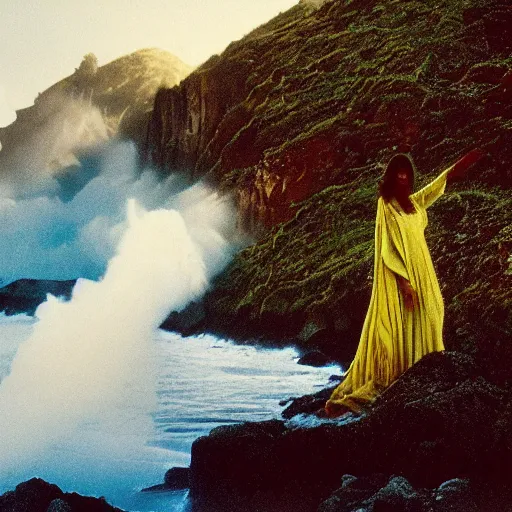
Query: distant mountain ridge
[{"x": 98, "y": 102}]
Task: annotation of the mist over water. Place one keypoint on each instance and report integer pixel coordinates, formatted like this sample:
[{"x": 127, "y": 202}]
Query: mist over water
[
  {"x": 73, "y": 230},
  {"x": 82, "y": 386},
  {"x": 63, "y": 196},
  {"x": 87, "y": 356}
]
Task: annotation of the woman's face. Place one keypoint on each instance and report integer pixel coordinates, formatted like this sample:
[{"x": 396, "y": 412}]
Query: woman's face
[{"x": 402, "y": 179}]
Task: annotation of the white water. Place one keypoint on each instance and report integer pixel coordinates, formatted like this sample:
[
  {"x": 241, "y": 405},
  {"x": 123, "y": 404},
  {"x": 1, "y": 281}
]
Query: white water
[
  {"x": 93, "y": 397},
  {"x": 202, "y": 382}
]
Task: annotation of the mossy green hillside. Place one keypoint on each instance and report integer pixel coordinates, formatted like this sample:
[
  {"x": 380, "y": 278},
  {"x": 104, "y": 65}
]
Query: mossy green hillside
[{"x": 323, "y": 98}]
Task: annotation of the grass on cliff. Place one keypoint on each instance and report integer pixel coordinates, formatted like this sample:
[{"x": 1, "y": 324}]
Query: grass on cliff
[
  {"x": 328, "y": 95},
  {"x": 311, "y": 262}
]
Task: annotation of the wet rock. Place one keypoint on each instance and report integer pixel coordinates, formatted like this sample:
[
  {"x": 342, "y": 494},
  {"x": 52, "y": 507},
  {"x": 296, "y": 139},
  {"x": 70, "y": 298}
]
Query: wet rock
[
  {"x": 455, "y": 495},
  {"x": 175, "y": 479},
  {"x": 36, "y": 495},
  {"x": 399, "y": 496},
  {"x": 241, "y": 466},
  {"x": 24, "y": 295},
  {"x": 234, "y": 459},
  {"x": 353, "y": 494},
  {"x": 377, "y": 493},
  {"x": 315, "y": 358},
  {"x": 307, "y": 404},
  {"x": 187, "y": 321}
]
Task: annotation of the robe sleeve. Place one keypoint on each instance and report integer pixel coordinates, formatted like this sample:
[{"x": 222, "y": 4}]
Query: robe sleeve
[
  {"x": 433, "y": 191},
  {"x": 390, "y": 243}
]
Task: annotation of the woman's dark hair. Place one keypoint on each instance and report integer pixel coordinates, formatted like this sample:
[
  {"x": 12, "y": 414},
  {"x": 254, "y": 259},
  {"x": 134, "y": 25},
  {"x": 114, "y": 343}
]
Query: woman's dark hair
[{"x": 388, "y": 183}]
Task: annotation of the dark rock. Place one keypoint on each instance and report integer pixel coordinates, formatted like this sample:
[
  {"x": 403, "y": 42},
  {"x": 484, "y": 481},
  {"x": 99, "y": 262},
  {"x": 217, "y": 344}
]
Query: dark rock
[
  {"x": 175, "y": 479},
  {"x": 354, "y": 493},
  {"x": 187, "y": 321},
  {"x": 36, "y": 495},
  {"x": 24, "y": 295},
  {"x": 307, "y": 404},
  {"x": 438, "y": 420},
  {"x": 399, "y": 496},
  {"x": 455, "y": 495},
  {"x": 315, "y": 358},
  {"x": 236, "y": 463},
  {"x": 378, "y": 494}
]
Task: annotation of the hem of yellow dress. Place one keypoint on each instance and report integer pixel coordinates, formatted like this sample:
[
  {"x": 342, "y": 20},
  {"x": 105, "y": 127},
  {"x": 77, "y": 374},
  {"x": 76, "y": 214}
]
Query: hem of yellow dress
[{"x": 360, "y": 399}]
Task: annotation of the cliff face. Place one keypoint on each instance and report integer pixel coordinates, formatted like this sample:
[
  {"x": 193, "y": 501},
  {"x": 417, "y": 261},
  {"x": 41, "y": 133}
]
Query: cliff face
[
  {"x": 288, "y": 109},
  {"x": 185, "y": 119},
  {"x": 297, "y": 120},
  {"x": 90, "y": 105}
]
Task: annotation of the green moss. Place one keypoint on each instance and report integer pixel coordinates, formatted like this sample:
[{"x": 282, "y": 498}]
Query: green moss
[{"x": 370, "y": 79}]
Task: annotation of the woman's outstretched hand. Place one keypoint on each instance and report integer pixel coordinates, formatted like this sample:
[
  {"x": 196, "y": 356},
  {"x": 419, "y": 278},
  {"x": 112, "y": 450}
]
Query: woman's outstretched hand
[
  {"x": 467, "y": 161},
  {"x": 409, "y": 294}
]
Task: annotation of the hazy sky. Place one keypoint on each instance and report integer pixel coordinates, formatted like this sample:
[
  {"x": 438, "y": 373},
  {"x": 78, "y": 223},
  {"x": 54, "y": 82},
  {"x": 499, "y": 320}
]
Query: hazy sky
[{"x": 43, "y": 41}]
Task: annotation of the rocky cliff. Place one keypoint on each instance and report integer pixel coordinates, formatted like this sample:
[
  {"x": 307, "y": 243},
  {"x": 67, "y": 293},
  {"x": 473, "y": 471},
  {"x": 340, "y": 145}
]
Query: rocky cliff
[{"x": 297, "y": 120}]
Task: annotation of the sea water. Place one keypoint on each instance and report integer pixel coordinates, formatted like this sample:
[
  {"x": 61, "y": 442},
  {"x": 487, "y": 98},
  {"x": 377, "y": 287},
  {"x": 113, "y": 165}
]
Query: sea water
[{"x": 202, "y": 382}]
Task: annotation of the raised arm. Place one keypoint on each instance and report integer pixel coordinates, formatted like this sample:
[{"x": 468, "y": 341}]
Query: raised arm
[
  {"x": 463, "y": 164},
  {"x": 435, "y": 189}
]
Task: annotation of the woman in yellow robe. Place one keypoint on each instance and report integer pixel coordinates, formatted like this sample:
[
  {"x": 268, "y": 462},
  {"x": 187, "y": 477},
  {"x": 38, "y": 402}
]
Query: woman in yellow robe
[{"x": 405, "y": 317}]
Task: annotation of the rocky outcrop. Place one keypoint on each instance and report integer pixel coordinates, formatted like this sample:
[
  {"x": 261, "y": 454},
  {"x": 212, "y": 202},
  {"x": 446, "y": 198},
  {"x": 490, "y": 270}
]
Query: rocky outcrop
[
  {"x": 377, "y": 493},
  {"x": 36, "y": 495},
  {"x": 440, "y": 421},
  {"x": 185, "y": 119},
  {"x": 24, "y": 295},
  {"x": 175, "y": 479}
]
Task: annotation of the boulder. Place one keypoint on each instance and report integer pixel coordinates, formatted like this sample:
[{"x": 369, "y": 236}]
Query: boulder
[
  {"x": 307, "y": 404},
  {"x": 353, "y": 493},
  {"x": 399, "y": 496},
  {"x": 175, "y": 479},
  {"x": 379, "y": 494},
  {"x": 315, "y": 358},
  {"x": 455, "y": 495},
  {"x": 36, "y": 495}
]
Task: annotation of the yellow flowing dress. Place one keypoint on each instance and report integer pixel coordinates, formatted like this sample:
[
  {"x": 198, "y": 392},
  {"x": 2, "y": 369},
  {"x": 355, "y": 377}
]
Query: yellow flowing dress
[{"x": 394, "y": 338}]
